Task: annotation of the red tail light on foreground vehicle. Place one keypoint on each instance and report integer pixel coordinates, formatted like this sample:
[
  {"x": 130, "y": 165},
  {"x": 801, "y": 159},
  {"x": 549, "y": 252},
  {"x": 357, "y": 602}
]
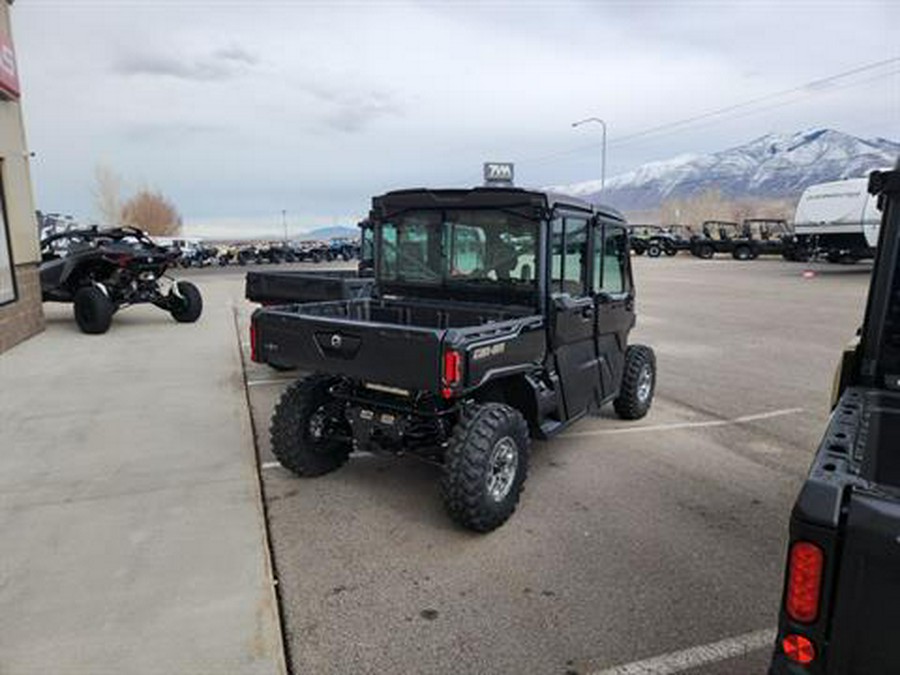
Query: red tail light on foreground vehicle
[
  {"x": 252, "y": 342},
  {"x": 452, "y": 372},
  {"x": 805, "y": 570},
  {"x": 798, "y": 649}
]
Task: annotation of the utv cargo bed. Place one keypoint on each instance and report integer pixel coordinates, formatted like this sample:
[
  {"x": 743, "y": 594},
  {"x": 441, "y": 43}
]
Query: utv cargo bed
[{"x": 390, "y": 342}]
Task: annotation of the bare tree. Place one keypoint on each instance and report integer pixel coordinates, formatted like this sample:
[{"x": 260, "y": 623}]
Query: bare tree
[
  {"x": 107, "y": 194},
  {"x": 153, "y": 212}
]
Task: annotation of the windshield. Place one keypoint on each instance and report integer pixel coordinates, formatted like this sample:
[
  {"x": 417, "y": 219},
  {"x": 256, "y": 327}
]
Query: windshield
[{"x": 459, "y": 246}]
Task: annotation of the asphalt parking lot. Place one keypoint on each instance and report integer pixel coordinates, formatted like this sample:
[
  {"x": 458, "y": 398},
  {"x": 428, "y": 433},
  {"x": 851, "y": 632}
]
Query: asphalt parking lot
[{"x": 632, "y": 541}]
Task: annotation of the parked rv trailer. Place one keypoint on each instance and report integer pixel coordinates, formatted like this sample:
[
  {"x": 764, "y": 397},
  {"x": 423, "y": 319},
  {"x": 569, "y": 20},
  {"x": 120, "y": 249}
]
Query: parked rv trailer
[{"x": 838, "y": 221}]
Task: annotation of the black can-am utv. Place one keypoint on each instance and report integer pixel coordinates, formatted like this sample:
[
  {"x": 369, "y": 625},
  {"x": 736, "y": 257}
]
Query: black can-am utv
[
  {"x": 497, "y": 315},
  {"x": 103, "y": 270},
  {"x": 840, "y": 613}
]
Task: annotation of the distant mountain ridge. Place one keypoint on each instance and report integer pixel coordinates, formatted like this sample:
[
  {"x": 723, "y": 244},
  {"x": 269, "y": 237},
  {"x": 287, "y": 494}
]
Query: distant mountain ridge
[
  {"x": 772, "y": 166},
  {"x": 332, "y": 232}
]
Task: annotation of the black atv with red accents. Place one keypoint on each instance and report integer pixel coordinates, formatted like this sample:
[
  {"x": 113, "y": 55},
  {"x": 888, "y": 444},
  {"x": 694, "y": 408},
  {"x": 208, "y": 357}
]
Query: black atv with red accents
[
  {"x": 497, "y": 315},
  {"x": 840, "y": 612},
  {"x": 100, "y": 271}
]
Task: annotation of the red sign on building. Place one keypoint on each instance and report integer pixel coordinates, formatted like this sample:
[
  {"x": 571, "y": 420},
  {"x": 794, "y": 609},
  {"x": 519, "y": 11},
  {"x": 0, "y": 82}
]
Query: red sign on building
[{"x": 9, "y": 73}]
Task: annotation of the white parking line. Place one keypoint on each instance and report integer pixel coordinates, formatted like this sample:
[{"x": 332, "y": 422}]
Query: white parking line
[
  {"x": 270, "y": 465},
  {"x": 677, "y": 662},
  {"x": 686, "y": 425}
]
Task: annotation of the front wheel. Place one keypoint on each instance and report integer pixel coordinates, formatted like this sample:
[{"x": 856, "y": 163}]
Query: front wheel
[
  {"x": 706, "y": 252},
  {"x": 671, "y": 251},
  {"x": 638, "y": 383},
  {"x": 485, "y": 466},
  {"x": 742, "y": 253},
  {"x": 654, "y": 250},
  {"x": 185, "y": 302},
  {"x": 93, "y": 310},
  {"x": 310, "y": 436}
]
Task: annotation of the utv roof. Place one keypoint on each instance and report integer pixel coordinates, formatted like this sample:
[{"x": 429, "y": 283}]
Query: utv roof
[{"x": 397, "y": 201}]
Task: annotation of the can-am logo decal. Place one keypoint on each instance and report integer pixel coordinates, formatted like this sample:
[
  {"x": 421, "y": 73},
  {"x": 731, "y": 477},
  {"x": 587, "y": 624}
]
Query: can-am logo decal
[{"x": 492, "y": 350}]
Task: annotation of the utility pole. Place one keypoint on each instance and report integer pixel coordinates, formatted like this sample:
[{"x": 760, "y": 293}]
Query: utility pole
[{"x": 284, "y": 223}]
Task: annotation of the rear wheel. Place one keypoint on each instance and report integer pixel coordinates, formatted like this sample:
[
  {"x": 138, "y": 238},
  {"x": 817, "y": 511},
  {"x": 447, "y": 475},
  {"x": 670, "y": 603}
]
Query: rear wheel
[
  {"x": 638, "y": 383},
  {"x": 185, "y": 302},
  {"x": 485, "y": 466},
  {"x": 654, "y": 250},
  {"x": 671, "y": 250},
  {"x": 93, "y": 310},
  {"x": 310, "y": 436}
]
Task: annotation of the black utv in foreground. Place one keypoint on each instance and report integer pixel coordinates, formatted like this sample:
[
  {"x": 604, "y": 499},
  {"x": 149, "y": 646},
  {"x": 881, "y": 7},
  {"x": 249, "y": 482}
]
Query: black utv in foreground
[
  {"x": 840, "y": 613},
  {"x": 497, "y": 315},
  {"x": 103, "y": 270}
]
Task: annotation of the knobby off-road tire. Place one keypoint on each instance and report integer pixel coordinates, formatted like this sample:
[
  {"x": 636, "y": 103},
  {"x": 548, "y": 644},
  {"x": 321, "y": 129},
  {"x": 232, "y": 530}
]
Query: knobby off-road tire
[
  {"x": 671, "y": 251},
  {"x": 654, "y": 250},
  {"x": 188, "y": 307},
  {"x": 485, "y": 466},
  {"x": 302, "y": 438},
  {"x": 638, "y": 383},
  {"x": 93, "y": 310}
]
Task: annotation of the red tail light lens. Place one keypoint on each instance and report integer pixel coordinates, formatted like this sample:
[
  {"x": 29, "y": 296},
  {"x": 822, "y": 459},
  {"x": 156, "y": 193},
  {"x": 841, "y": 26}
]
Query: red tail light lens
[
  {"x": 805, "y": 566},
  {"x": 452, "y": 368},
  {"x": 252, "y": 342},
  {"x": 798, "y": 649}
]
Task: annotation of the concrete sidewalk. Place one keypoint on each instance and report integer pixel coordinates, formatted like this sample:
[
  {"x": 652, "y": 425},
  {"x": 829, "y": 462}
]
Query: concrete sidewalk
[{"x": 131, "y": 533}]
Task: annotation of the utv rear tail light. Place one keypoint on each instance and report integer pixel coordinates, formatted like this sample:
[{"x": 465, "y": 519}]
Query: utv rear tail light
[
  {"x": 252, "y": 342},
  {"x": 452, "y": 368},
  {"x": 805, "y": 566},
  {"x": 798, "y": 649},
  {"x": 452, "y": 375}
]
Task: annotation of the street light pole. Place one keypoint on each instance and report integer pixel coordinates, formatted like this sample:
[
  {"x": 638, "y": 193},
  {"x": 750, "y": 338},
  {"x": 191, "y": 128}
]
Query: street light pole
[
  {"x": 284, "y": 223},
  {"x": 603, "y": 153}
]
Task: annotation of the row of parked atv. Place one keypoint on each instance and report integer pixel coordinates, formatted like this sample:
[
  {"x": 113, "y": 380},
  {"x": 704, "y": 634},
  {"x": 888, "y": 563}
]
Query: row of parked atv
[
  {"x": 745, "y": 241},
  {"x": 267, "y": 254}
]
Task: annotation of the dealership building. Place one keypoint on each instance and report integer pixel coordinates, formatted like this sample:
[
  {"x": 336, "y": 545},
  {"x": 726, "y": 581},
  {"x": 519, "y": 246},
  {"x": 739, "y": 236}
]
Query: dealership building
[{"x": 21, "y": 315}]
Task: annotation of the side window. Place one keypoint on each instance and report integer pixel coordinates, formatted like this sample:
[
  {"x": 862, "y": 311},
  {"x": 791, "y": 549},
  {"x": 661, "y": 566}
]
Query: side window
[
  {"x": 575, "y": 261},
  {"x": 388, "y": 258},
  {"x": 568, "y": 255},
  {"x": 610, "y": 258}
]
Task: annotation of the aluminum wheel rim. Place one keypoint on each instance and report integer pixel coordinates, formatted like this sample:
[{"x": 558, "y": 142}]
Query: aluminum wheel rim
[
  {"x": 644, "y": 384},
  {"x": 502, "y": 468}
]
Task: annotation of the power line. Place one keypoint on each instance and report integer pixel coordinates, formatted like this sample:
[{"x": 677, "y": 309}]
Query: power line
[
  {"x": 810, "y": 88},
  {"x": 815, "y": 87}
]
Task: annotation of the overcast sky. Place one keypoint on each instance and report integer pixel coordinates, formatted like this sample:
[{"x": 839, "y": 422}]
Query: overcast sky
[{"x": 238, "y": 110}]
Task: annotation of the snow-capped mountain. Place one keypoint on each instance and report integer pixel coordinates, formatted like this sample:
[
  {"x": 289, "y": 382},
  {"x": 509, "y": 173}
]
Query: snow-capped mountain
[{"x": 775, "y": 165}]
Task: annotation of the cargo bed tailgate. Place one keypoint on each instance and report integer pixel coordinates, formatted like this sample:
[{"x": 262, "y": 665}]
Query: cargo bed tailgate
[{"x": 400, "y": 356}]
